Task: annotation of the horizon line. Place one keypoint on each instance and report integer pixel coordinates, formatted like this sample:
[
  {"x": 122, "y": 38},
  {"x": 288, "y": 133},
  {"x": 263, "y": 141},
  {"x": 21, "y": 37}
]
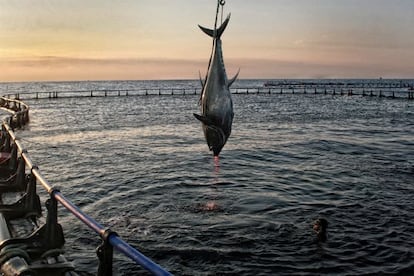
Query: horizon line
[{"x": 195, "y": 79}]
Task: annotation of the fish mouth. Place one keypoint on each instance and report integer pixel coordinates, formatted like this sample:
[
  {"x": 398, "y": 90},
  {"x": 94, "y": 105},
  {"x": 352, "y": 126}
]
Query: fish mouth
[{"x": 215, "y": 139}]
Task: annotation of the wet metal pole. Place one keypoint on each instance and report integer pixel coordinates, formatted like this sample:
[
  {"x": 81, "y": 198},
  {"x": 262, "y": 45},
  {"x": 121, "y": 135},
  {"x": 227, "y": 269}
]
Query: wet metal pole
[{"x": 114, "y": 240}]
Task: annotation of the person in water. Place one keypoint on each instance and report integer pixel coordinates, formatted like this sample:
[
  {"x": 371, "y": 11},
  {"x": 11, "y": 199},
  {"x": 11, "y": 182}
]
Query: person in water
[{"x": 320, "y": 227}]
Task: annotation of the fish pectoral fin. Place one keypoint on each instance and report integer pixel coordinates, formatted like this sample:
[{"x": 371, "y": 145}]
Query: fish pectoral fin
[
  {"x": 201, "y": 80},
  {"x": 204, "y": 119},
  {"x": 234, "y": 78}
]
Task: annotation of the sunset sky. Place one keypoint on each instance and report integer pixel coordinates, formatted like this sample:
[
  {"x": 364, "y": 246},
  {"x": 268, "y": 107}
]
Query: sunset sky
[{"x": 159, "y": 39}]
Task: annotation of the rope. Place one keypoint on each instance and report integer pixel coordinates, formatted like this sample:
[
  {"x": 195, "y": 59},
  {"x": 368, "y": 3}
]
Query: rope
[
  {"x": 10, "y": 252},
  {"x": 217, "y": 12},
  {"x": 220, "y": 3}
]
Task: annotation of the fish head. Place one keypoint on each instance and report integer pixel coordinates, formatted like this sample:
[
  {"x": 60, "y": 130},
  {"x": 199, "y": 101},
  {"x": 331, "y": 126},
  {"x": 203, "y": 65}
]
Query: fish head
[{"x": 215, "y": 137}]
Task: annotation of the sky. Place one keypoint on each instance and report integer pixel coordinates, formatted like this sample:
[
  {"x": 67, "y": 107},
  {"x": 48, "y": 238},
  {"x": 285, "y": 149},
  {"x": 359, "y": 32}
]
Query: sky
[{"x": 58, "y": 40}]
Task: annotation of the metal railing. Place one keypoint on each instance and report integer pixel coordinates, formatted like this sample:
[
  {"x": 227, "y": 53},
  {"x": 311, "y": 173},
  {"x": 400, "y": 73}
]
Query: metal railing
[{"x": 110, "y": 240}]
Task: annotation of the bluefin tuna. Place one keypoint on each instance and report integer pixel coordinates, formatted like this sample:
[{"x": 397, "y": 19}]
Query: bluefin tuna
[{"x": 216, "y": 103}]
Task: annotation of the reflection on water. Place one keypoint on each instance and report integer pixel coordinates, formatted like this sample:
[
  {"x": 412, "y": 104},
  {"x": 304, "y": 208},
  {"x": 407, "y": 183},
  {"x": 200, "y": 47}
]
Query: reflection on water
[
  {"x": 140, "y": 165},
  {"x": 212, "y": 204}
]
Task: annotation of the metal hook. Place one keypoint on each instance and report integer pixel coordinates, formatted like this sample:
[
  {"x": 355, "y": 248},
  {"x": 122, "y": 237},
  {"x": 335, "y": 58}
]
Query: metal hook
[{"x": 221, "y": 3}]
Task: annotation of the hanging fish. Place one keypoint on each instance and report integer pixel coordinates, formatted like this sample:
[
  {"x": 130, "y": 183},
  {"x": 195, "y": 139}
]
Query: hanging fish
[{"x": 216, "y": 103}]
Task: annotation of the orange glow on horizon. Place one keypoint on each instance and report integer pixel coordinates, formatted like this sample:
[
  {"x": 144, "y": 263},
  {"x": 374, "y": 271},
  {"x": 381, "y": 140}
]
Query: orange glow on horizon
[{"x": 105, "y": 40}]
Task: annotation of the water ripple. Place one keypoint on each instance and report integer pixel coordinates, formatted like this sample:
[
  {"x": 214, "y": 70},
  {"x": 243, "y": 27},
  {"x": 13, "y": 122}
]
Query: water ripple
[{"x": 140, "y": 165}]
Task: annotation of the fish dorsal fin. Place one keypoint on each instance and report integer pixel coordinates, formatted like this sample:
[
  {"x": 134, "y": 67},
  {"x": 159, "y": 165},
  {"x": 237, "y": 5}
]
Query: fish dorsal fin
[
  {"x": 234, "y": 78},
  {"x": 219, "y": 31},
  {"x": 204, "y": 119},
  {"x": 201, "y": 80}
]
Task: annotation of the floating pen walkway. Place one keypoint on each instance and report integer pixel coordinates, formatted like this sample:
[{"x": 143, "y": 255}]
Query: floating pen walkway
[
  {"x": 40, "y": 250},
  {"x": 391, "y": 90}
]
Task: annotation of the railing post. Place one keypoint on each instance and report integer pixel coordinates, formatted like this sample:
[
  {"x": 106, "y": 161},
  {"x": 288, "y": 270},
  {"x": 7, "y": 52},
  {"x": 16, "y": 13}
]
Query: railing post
[
  {"x": 11, "y": 122},
  {"x": 53, "y": 230},
  {"x": 105, "y": 254}
]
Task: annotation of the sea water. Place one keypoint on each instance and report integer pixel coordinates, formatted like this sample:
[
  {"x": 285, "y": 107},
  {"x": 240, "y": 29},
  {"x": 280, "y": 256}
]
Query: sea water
[{"x": 140, "y": 165}]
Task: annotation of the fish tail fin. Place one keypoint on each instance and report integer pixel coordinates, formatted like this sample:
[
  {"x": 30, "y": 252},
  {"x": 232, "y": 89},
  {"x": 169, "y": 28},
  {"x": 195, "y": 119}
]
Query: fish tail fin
[{"x": 219, "y": 31}]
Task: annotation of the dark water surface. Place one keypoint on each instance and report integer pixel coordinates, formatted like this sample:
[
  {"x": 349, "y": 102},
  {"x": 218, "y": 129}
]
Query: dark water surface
[{"x": 140, "y": 165}]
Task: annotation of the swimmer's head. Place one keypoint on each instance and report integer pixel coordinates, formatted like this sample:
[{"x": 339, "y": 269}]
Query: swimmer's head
[{"x": 320, "y": 227}]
